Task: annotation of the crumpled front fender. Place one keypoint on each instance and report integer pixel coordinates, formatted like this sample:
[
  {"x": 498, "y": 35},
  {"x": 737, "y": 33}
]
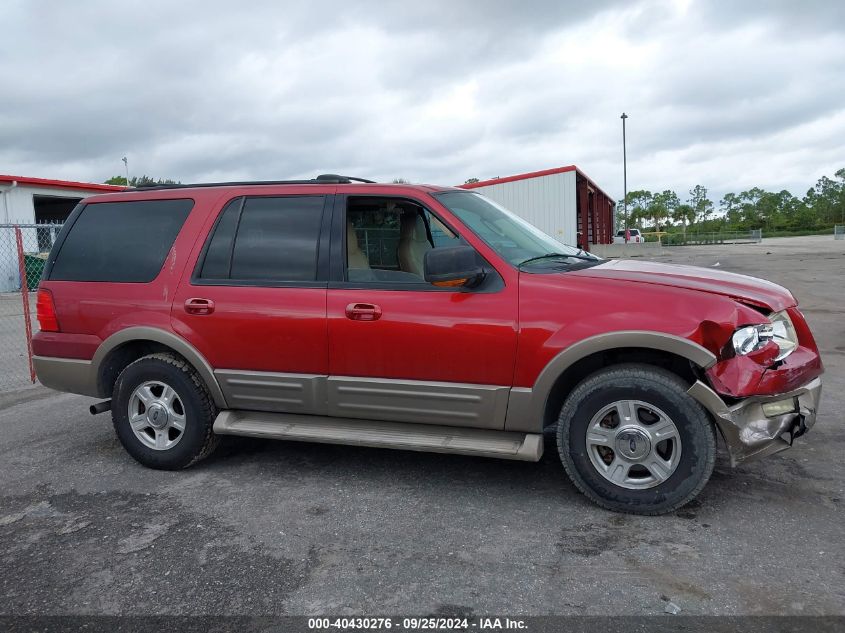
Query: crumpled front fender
[{"x": 753, "y": 375}]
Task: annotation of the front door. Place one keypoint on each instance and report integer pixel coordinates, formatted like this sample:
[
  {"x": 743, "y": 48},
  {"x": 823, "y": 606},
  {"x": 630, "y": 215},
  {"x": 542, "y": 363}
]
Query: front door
[
  {"x": 401, "y": 349},
  {"x": 255, "y": 306}
]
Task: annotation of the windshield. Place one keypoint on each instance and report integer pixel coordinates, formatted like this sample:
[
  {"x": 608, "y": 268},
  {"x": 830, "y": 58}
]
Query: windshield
[{"x": 506, "y": 233}]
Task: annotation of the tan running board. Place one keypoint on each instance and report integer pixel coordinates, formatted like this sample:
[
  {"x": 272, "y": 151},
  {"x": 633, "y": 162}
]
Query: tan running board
[{"x": 399, "y": 435}]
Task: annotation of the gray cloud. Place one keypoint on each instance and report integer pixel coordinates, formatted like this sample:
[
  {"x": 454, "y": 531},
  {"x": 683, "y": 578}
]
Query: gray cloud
[
  {"x": 729, "y": 96},
  {"x": 805, "y": 17}
]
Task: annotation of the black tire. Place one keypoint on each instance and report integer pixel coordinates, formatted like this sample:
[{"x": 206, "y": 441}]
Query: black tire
[
  {"x": 197, "y": 440},
  {"x": 661, "y": 389}
]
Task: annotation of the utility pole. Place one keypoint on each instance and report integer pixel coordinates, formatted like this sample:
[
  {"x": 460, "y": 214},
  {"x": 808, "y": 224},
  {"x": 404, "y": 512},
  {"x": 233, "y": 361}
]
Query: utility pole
[
  {"x": 126, "y": 164},
  {"x": 624, "y": 174}
]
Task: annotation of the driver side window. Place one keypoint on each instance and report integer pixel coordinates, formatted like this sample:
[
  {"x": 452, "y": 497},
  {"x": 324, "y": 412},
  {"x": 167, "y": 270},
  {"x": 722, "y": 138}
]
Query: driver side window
[{"x": 387, "y": 239}]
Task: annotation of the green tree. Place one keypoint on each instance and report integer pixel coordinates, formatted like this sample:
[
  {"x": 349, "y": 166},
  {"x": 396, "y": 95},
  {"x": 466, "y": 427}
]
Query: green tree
[
  {"x": 749, "y": 208},
  {"x": 821, "y": 208},
  {"x": 777, "y": 210},
  {"x": 684, "y": 214},
  {"x": 639, "y": 209},
  {"x": 730, "y": 206},
  {"x": 700, "y": 203},
  {"x": 140, "y": 182},
  {"x": 840, "y": 197},
  {"x": 757, "y": 208},
  {"x": 663, "y": 205},
  {"x": 827, "y": 200}
]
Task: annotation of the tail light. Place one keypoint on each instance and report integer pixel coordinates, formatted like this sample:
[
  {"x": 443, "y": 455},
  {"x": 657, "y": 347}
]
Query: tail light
[{"x": 46, "y": 311}]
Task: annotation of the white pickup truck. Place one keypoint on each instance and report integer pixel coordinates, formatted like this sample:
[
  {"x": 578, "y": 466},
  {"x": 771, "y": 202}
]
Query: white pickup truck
[{"x": 634, "y": 237}]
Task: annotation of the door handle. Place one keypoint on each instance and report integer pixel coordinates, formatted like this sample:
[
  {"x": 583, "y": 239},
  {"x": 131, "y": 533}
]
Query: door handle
[
  {"x": 363, "y": 312},
  {"x": 199, "y": 306}
]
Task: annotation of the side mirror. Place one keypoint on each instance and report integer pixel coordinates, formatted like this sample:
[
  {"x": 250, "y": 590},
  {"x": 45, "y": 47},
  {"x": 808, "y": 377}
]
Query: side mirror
[{"x": 452, "y": 266}]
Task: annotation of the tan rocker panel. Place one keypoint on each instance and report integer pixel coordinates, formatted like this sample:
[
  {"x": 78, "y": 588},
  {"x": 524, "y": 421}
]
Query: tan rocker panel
[
  {"x": 444, "y": 403},
  {"x": 269, "y": 391},
  {"x": 422, "y": 402}
]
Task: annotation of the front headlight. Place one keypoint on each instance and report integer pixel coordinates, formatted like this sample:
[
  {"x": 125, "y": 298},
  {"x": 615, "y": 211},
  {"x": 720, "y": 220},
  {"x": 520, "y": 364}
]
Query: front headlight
[
  {"x": 784, "y": 334},
  {"x": 753, "y": 337}
]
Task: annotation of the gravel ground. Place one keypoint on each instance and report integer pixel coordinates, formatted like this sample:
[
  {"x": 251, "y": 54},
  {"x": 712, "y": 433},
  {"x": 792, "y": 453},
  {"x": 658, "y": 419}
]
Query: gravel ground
[{"x": 269, "y": 528}]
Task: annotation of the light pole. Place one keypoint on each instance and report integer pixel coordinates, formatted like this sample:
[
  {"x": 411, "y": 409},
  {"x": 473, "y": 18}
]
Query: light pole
[
  {"x": 624, "y": 176},
  {"x": 126, "y": 164}
]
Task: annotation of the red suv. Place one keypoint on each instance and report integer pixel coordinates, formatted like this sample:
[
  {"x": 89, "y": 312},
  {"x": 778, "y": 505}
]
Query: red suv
[{"x": 415, "y": 317}]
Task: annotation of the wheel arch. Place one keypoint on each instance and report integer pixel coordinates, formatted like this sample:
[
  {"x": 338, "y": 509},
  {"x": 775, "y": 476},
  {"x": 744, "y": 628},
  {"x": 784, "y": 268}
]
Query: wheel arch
[
  {"x": 127, "y": 346},
  {"x": 533, "y": 409}
]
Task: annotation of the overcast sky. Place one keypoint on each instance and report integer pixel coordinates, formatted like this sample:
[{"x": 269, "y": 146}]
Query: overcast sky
[{"x": 726, "y": 94}]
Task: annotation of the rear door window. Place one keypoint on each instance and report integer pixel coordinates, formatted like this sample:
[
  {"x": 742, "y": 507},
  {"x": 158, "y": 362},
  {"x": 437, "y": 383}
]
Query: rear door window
[
  {"x": 265, "y": 239},
  {"x": 120, "y": 241}
]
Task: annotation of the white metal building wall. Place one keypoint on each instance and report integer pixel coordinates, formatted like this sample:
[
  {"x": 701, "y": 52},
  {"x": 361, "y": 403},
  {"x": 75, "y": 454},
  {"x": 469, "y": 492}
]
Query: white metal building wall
[
  {"x": 17, "y": 205},
  {"x": 548, "y": 202}
]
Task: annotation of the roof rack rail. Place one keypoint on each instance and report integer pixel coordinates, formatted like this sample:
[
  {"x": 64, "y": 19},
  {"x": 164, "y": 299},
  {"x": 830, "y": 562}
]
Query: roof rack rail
[
  {"x": 342, "y": 179},
  {"x": 322, "y": 179}
]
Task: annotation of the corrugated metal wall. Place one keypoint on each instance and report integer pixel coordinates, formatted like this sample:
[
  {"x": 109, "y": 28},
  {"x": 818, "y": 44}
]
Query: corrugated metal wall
[{"x": 548, "y": 202}]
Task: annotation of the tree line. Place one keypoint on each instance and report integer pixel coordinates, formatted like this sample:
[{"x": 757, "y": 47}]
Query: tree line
[
  {"x": 140, "y": 181},
  {"x": 821, "y": 208}
]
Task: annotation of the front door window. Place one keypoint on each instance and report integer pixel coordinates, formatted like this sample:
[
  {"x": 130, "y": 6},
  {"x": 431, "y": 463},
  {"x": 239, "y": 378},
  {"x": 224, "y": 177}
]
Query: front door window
[{"x": 387, "y": 239}]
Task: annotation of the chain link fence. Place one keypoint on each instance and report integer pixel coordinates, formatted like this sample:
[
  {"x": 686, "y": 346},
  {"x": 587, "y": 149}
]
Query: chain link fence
[
  {"x": 721, "y": 237},
  {"x": 23, "y": 252}
]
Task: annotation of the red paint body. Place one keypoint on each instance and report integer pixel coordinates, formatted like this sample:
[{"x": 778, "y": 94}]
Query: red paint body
[
  {"x": 504, "y": 337},
  {"x": 425, "y": 336}
]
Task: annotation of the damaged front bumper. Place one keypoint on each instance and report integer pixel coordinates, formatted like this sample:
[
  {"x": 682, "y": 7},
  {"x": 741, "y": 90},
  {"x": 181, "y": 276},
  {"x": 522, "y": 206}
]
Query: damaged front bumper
[{"x": 748, "y": 431}]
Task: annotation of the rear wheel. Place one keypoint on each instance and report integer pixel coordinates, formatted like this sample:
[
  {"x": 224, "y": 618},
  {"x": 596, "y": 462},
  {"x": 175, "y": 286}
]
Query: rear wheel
[
  {"x": 633, "y": 440},
  {"x": 162, "y": 412}
]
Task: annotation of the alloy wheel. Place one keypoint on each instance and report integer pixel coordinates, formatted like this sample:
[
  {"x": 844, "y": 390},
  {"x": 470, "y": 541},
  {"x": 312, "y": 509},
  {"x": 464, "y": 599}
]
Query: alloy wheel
[
  {"x": 157, "y": 415},
  {"x": 633, "y": 444}
]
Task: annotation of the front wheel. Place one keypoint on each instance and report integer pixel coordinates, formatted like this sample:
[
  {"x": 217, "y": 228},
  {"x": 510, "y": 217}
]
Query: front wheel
[{"x": 633, "y": 440}]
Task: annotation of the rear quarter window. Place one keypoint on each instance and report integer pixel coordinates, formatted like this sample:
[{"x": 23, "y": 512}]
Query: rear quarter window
[{"x": 120, "y": 241}]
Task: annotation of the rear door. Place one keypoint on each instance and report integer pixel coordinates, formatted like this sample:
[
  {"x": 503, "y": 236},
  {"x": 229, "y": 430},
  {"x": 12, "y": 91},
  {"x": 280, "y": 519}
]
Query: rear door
[
  {"x": 255, "y": 302},
  {"x": 401, "y": 349}
]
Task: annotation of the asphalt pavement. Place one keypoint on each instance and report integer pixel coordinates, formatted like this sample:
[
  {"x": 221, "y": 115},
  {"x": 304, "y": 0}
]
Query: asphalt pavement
[{"x": 270, "y": 528}]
